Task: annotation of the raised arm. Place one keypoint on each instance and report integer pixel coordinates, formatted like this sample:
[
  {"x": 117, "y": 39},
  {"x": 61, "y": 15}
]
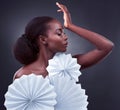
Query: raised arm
[{"x": 103, "y": 45}]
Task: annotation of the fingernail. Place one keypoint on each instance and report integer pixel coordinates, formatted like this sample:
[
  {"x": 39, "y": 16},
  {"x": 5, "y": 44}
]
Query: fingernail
[{"x": 57, "y": 3}]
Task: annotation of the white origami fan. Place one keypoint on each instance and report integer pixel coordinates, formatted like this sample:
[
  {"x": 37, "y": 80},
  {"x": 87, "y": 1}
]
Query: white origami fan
[
  {"x": 70, "y": 96},
  {"x": 64, "y": 65},
  {"x": 30, "y": 92}
]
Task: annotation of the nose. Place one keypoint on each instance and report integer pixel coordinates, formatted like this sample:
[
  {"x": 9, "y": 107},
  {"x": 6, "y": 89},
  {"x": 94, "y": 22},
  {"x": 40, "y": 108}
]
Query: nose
[{"x": 65, "y": 37}]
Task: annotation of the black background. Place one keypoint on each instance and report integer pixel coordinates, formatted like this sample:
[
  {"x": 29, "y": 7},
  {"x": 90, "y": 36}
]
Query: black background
[{"x": 102, "y": 16}]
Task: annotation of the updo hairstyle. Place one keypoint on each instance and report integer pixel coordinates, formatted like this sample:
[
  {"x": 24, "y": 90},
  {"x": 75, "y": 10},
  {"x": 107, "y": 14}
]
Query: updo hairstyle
[{"x": 26, "y": 48}]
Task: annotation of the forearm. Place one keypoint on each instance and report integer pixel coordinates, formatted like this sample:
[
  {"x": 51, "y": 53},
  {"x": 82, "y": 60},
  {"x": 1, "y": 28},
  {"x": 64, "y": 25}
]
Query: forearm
[
  {"x": 103, "y": 45},
  {"x": 96, "y": 39}
]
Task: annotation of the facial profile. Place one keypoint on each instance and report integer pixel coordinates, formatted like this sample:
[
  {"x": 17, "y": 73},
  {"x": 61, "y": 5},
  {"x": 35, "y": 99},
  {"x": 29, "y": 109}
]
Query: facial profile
[{"x": 56, "y": 37}]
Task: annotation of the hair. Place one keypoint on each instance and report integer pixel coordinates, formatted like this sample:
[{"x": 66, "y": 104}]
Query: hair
[{"x": 26, "y": 47}]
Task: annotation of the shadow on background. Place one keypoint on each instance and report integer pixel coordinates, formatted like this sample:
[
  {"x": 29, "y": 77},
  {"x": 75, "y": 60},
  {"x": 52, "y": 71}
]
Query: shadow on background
[{"x": 100, "y": 81}]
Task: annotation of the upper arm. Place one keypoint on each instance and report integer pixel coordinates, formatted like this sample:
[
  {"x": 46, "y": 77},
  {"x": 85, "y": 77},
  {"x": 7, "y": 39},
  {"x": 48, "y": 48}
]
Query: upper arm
[{"x": 90, "y": 58}]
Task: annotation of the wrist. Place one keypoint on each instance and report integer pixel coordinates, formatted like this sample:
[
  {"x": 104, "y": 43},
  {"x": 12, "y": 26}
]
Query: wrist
[{"x": 68, "y": 26}]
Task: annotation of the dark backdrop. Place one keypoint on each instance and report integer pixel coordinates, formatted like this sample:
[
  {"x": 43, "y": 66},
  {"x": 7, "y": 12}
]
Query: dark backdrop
[{"x": 102, "y": 16}]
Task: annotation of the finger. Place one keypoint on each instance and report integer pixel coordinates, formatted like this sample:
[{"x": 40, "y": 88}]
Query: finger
[
  {"x": 59, "y": 10},
  {"x": 62, "y": 7},
  {"x": 57, "y": 3}
]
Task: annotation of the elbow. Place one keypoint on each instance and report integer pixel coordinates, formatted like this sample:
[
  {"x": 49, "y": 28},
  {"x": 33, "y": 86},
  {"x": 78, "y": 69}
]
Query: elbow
[{"x": 109, "y": 47}]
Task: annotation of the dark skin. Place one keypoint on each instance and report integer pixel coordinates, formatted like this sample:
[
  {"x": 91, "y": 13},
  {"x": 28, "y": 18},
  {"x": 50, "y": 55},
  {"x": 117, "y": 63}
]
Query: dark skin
[{"x": 56, "y": 41}]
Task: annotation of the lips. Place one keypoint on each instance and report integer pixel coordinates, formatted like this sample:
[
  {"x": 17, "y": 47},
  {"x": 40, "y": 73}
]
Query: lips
[{"x": 66, "y": 43}]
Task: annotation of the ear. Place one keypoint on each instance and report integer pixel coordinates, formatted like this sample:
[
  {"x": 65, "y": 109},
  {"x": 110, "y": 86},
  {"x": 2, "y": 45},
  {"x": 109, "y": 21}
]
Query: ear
[{"x": 43, "y": 39}]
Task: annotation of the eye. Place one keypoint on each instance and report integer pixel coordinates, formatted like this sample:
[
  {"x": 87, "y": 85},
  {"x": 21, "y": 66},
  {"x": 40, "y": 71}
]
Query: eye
[{"x": 59, "y": 34}]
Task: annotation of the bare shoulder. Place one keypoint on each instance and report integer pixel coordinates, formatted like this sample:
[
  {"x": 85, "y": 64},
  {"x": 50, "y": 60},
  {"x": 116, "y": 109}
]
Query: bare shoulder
[{"x": 19, "y": 73}]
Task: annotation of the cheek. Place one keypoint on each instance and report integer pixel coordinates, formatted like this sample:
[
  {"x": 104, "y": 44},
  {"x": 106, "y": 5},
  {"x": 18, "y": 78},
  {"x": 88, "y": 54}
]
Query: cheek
[
  {"x": 51, "y": 45},
  {"x": 52, "y": 41},
  {"x": 55, "y": 44}
]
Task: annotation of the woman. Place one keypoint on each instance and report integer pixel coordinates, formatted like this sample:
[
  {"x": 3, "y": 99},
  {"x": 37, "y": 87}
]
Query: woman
[
  {"x": 44, "y": 37},
  {"x": 36, "y": 49}
]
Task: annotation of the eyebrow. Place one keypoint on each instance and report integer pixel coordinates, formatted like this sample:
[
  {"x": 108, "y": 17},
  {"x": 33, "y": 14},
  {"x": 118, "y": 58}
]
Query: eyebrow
[{"x": 60, "y": 29}]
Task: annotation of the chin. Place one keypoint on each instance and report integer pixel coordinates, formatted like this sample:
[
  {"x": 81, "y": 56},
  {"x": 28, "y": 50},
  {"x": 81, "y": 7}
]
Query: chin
[{"x": 64, "y": 50}]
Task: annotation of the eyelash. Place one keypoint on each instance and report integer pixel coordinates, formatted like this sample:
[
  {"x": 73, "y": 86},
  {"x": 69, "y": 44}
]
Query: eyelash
[{"x": 60, "y": 34}]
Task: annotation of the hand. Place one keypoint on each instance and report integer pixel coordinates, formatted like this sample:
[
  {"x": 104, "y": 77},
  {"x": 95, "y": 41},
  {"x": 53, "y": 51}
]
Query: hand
[{"x": 66, "y": 14}]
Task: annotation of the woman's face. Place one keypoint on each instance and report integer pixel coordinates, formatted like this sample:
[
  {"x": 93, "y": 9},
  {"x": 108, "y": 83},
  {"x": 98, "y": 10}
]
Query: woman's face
[{"x": 56, "y": 38}]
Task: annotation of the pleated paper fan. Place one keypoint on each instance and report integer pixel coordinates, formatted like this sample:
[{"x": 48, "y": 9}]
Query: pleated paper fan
[
  {"x": 64, "y": 65},
  {"x": 70, "y": 96},
  {"x": 30, "y": 92}
]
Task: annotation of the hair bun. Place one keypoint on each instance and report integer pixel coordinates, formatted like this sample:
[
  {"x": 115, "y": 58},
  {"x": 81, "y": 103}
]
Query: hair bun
[{"x": 24, "y": 50}]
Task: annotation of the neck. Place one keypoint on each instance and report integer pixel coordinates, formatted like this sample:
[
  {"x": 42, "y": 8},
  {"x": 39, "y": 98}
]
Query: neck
[
  {"x": 39, "y": 66},
  {"x": 44, "y": 56}
]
